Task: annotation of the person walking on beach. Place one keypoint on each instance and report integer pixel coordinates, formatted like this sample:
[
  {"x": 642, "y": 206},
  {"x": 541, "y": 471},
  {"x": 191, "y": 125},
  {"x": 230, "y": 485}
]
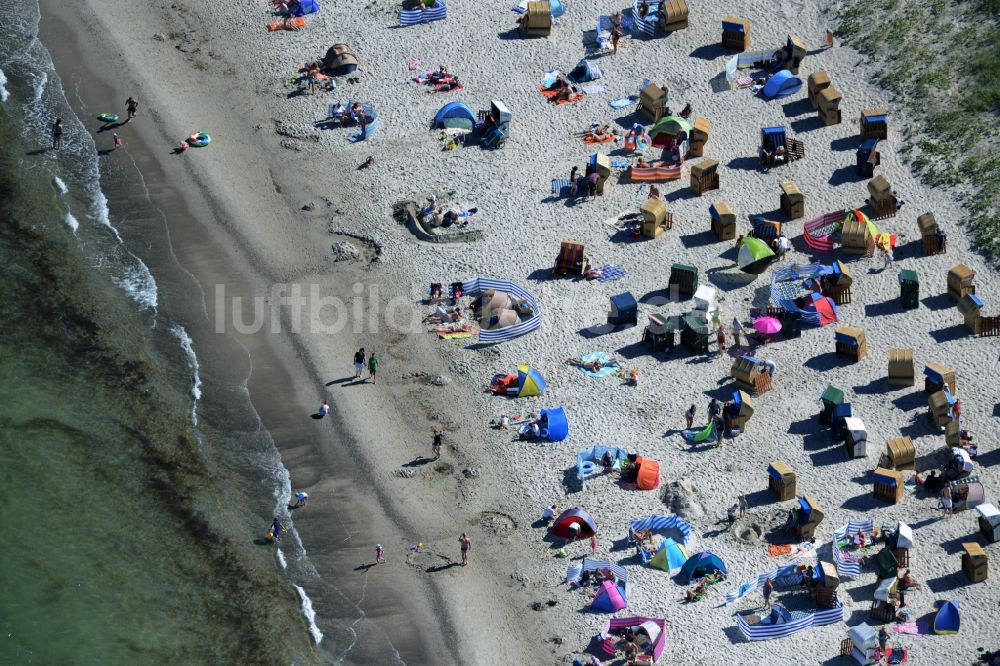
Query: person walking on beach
[
  {"x": 744, "y": 504},
  {"x": 768, "y": 589},
  {"x": 713, "y": 408},
  {"x": 946, "y": 503},
  {"x": 324, "y": 409},
  {"x": 593, "y": 545},
  {"x": 616, "y": 35},
  {"x": 379, "y": 554},
  {"x": 131, "y": 108},
  {"x": 689, "y": 416},
  {"x": 57, "y": 134},
  {"x": 737, "y": 328},
  {"x": 373, "y": 367},
  {"x": 719, "y": 427},
  {"x": 720, "y": 338},
  {"x": 117, "y": 139},
  {"x": 464, "y": 543},
  {"x": 829, "y": 38},
  {"x": 731, "y": 513},
  {"x": 274, "y": 534},
  {"x": 436, "y": 444},
  {"x": 359, "y": 362},
  {"x": 300, "y": 500}
]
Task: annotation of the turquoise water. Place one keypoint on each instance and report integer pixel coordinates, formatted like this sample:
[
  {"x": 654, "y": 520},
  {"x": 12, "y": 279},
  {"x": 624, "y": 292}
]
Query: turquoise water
[{"x": 123, "y": 479}]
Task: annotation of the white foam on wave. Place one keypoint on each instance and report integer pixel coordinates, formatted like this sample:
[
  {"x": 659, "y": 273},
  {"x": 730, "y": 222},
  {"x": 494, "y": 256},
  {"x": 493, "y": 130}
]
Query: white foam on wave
[
  {"x": 307, "y": 610},
  {"x": 4, "y": 93},
  {"x": 138, "y": 283},
  {"x": 71, "y": 222},
  {"x": 188, "y": 346},
  {"x": 38, "y": 83},
  {"x": 281, "y": 559},
  {"x": 60, "y": 185}
]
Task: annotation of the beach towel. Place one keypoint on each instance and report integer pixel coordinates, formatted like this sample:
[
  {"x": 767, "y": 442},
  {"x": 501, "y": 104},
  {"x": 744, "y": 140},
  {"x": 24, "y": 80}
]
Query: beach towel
[
  {"x": 455, "y": 336},
  {"x": 906, "y": 628},
  {"x": 590, "y": 138},
  {"x": 293, "y": 24},
  {"x": 619, "y": 163},
  {"x": 623, "y": 102},
  {"x": 777, "y": 550},
  {"x": 610, "y": 272},
  {"x": 550, "y": 78},
  {"x": 594, "y": 89},
  {"x": 605, "y": 369},
  {"x": 447, "y": 87}
]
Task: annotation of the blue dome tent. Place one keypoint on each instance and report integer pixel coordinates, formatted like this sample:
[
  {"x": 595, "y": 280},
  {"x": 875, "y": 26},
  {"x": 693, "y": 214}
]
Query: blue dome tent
[
  {"x": 782, "y": 84},
  {"x": 702, "y": 564},
  {"x": 455, "y": 115},
  {"x": 556, "y": 8},
  {"x": 584, "y": 71}
]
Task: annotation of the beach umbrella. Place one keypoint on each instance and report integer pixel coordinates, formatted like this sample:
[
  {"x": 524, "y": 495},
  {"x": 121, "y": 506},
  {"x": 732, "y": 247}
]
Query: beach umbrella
[
  {"x": 767, "y": 325},
  {"x": 755, "y": 256}
]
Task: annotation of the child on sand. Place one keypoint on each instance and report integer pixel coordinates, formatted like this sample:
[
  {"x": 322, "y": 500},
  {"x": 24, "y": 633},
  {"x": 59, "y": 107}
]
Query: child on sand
[
  {"x": 593, "y": 545},
  {"x": 117, "y": 139},
  {"x": 379, "y": 554},
  {"x": 324, "y": 409},
  {"x": 373, "y": 367}
]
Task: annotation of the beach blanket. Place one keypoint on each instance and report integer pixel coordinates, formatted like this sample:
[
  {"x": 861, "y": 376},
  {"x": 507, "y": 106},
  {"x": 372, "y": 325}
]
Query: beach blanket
[
  {"x": 779, "y": 549},
  {"x": 593, "y": 89},
  {"x": 623, "y": 102},
  {"x": 455, "y": 336},
  {"x": 610, "y": 272},
  {"x": 619, "y": 163},
  {"x": 293, "y": 24},
  {"x": 447, "y": 87},
  {"x": 605, "y": 369},
  {"x": 700, "y": 435},
  {"x": 590, "y": 138},
  {"x": 795, "y": 550},
  {"x": 912, "y": 627},
  {"x": 551, "y": 96}
]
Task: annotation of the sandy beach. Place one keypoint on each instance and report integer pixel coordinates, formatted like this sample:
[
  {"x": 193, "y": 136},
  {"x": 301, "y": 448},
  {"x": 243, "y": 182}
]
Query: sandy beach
[{"x": 277, "y": 187}]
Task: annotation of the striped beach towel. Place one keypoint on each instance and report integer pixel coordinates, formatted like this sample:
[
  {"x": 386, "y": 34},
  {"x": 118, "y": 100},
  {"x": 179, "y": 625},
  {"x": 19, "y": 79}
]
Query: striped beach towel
[
  {"x": 610, "y": 272},
  {"x": 562, "y": 187}
]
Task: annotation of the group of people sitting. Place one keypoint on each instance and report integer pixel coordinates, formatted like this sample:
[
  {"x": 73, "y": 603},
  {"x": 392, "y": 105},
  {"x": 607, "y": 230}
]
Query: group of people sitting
[
  {"x": 432, "y": 215},
  {"x": 630, "y": 643},
  {"x": 775, "y": 155},
  {"x": 700, "y": 590},
  {"x": 596, "y": 578},
  {"x": 599, "y": 133}
]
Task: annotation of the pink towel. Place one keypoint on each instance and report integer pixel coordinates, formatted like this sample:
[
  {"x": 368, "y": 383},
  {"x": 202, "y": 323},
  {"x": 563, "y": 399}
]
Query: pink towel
[{"x": 906, "y": 628}]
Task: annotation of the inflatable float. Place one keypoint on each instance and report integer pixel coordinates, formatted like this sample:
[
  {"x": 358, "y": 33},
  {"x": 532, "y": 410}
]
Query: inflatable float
[
  {"x": 199, "y": 139},
  {"x": 108, "y": 117}
]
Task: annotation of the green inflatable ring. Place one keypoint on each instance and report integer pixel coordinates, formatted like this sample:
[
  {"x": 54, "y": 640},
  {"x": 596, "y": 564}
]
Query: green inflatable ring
[
  {"x": 199, "y": 139},
  {"x": 108, "y": 117}
]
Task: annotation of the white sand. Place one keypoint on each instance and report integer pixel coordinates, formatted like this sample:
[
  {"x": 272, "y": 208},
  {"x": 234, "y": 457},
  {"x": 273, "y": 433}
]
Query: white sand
[{"x": 250, "y": 72}]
